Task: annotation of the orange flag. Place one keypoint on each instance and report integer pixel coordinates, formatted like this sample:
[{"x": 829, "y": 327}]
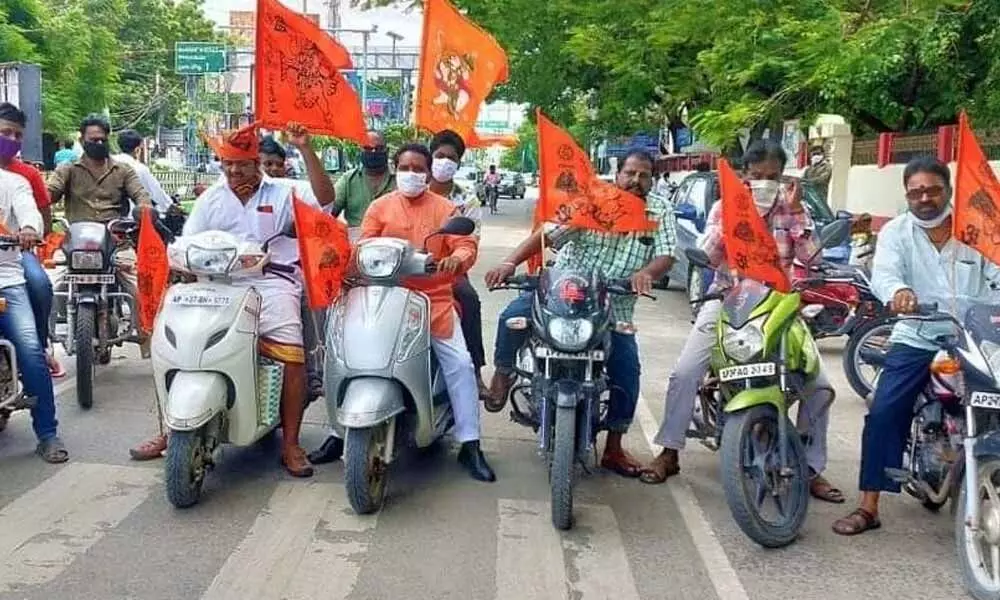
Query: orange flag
[
  {"x": 750, "y": 248},
  {"x": 324, "y": 250},
  {"x": 976, "y": 218},
  {"x": 152, "y": 269},
  {"x": 459, "y": 66},
  {"x": 298, "y": 76},
  {"x": 571, "y": 194}
]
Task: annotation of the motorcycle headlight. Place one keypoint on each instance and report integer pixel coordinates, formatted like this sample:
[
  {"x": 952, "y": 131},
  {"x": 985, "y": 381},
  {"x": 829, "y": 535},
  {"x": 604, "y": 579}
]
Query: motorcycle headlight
[
  {"x": 991, "y": 351},
  {"x": 215, "y": 261},
  {"x": 87, "y": 260},
  {"x": 744, "y": 343},
  {"x": 379, "y": 261},
  {"x": 570, "y": 334}
]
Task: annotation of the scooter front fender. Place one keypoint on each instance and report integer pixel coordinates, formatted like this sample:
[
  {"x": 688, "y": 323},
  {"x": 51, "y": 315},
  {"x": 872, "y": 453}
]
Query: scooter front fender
[
  {"x": 369, "y": 401},
  {"x": 195, "y": 398},
  {"x": 755, "y": 397}
]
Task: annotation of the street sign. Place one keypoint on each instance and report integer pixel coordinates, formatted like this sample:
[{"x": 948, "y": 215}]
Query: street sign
[
  {"x": 492, "y": 125},
  {"x": 196, "y": 58}
]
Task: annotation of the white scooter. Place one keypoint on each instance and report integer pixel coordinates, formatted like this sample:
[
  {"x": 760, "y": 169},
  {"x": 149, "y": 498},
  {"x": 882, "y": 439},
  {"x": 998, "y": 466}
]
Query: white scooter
[
  {"x": 382, "y": 383},
  {"x": 216, "y": 388}
]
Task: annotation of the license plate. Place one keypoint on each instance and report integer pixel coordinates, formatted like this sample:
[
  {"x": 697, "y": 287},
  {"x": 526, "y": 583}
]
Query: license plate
[
  {"x": 746, "y": 371},
  {"x": 88, "y": 279},
  {"x": 987, "y": 400},
  {"x": 543, "y": 352},
  {"x": 200, "y": 300}
]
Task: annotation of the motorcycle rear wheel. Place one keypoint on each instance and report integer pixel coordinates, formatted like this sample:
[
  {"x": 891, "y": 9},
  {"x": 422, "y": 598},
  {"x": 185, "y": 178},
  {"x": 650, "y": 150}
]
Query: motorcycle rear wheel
[
  {"x": 563, "y": 468},
  {"x": 865, "y": 335},
  {"x": 741, "y": 433},
  {"x": 979, "y": 582},
  {"x": 365, "y": 470},
  {"x": 86, "y": 322}
]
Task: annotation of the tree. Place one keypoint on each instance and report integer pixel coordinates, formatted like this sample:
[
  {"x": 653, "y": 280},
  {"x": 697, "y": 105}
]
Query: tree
[{"x": 524, "y": 156}]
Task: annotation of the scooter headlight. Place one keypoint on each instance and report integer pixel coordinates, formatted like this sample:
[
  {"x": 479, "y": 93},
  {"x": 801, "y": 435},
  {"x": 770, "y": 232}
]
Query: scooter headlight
[
  {"x": 744, "y": 343},
  {"x": 210, "y": 261},
  {"x": 378, "y": 261},
  {"x": 570, "y": 334}
]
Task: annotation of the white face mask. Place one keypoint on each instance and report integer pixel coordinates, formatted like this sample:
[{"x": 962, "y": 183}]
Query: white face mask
[
  {"x": 765, "y": 194},
  {"x": 935, "y": 222},
  {"x": 815, "y": 159},
  {"x": 410, "y": 183},
  {"x": 443, "y": 169}
]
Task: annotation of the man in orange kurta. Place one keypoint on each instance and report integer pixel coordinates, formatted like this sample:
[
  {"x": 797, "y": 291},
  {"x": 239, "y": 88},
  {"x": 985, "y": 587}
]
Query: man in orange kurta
[{"x": 412, "y": 213}]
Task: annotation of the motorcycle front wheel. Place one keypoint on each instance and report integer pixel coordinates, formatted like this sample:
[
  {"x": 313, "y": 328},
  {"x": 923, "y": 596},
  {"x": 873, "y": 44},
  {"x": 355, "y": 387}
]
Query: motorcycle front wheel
[
  {"x": 979, "y": 551},
  {"x": 86, "y": 323},
  {"x": 768, "y": 506},
  {"x": 186, "y": 464},
  {"x": 365, "y": 470},
  {"x": 562, "y": 468}
]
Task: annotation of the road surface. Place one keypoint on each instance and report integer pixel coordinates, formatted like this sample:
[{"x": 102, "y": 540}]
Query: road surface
[{"x": 99, "y": 527}]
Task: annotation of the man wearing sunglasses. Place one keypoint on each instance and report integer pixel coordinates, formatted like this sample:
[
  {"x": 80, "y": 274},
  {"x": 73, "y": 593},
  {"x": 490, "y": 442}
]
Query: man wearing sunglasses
[{"x": 916, "y": 260}]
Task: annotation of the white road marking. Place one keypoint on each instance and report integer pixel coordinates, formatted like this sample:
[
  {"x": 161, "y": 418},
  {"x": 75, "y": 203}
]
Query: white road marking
[
  {"x": 720, "y": 571},
  {"x": 530, "y": 561},
  {"x": 598, "y": 566},
  {"x": 45, "y": 529},
  {"x": 305, "y": 544}
]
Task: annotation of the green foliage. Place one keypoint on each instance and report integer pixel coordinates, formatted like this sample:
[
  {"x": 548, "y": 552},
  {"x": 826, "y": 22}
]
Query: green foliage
[{"x": 524, "y": 156}]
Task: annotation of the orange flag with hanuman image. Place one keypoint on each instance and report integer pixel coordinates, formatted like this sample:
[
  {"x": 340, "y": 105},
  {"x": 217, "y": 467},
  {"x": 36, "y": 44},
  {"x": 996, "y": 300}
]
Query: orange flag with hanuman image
[
  {"x": 459, "y": 66},
  {"x": 298, "y": 76},
  {"x": 570, "y": 193},
  {"x": 324, "y": 252},
  {"x": 750, "y": 248},
  {"x": 976, "y": 217}
]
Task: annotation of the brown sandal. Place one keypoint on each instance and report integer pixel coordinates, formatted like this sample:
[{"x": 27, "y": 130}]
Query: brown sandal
[
  {"x": 661, "y": 469},
  {"x": 856, "y": 523},
  {"x": 821, "y": 489},
  {"x": 622, "y": 463}
]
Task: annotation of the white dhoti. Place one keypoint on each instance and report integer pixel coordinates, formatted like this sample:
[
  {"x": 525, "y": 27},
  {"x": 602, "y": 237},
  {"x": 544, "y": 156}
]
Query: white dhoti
[
  {"x": 460, "y": 378},
  {"x": 280, "y": 328}
]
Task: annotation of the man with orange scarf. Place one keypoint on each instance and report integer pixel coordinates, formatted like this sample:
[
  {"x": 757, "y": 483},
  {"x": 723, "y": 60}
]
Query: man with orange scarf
[
  {"x": 247, "y": 205},
  {"x": 412, "y": 213}
]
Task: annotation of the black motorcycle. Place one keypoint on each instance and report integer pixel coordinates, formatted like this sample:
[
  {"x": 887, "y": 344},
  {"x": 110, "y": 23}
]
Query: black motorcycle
[
  {"x": 561, "y": 390},
  {"x": 98, "y": 312}
]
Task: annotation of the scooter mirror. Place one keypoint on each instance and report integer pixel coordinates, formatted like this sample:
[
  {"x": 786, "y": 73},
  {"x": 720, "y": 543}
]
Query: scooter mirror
[
  {"x": 698, "y": 258},
  {"x": 458, "y": 226}
]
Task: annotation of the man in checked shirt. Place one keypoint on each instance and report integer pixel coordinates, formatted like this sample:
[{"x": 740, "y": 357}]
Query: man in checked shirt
[
  {"x": 641, "y": 257},
  {"x": 792, "y": 228}
]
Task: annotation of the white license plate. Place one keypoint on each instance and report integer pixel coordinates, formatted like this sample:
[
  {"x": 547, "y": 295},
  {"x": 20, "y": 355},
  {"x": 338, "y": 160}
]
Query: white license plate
[
  {"x": 200, "y": 300},
  {"x": 746, "y": 371},
  {"x": 985, "y": 400},
  {"x": 543, "y": 352},
  {"x": 88, "y": 279}
]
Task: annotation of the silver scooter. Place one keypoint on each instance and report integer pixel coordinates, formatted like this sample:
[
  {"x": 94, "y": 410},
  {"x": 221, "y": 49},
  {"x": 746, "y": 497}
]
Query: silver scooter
[{"x": 382, "y": 382}]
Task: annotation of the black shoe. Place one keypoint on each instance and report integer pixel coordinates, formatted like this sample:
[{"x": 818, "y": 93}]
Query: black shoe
[
  {"x": 331, "y": 450},
  {"x": 471, "y": 457}
]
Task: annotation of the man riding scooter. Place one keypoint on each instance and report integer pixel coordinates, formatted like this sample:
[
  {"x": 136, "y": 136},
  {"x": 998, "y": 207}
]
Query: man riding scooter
[{"x": 253, "y": 208}]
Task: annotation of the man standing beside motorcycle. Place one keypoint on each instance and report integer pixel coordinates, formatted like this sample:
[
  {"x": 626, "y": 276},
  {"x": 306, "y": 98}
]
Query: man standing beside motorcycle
[
  {"x": 130, "y": 143},
  {"x": 97, "y": 188},
  {"x": 916, "y": 261},
  {"x": 413, "y": 213},
  {"x": 637, "y": 256},
  {"x": 792, "y": 229},
  {"x": 18, "y": 212}
]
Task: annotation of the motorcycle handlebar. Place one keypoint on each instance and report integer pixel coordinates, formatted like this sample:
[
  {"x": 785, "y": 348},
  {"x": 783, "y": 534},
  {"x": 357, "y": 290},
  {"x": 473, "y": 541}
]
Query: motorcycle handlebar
[{"x": 279, "y": 268}]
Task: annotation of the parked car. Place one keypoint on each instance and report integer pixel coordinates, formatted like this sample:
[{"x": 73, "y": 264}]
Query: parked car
[
  {"x": 692, "y": 202},
  {"x": 512, "y": 184}
]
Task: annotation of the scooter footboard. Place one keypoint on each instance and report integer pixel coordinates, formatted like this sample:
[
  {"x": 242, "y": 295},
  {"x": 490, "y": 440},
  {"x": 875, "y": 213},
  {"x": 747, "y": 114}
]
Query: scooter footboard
[
  {"x": 195, "y": 397},
  {"x": 368, "y": 401}
]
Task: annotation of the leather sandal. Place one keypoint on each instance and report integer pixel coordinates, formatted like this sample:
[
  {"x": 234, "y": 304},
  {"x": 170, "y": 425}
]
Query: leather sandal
[
  {"x": 663, "y": 467},
  {"x": 622, "y": 463},
  {"x": 151, "y": 449},
  {"x": 295, "y": 461},
  {"x": 821, "y": 489},
  {"x": 856, "y": 523}
]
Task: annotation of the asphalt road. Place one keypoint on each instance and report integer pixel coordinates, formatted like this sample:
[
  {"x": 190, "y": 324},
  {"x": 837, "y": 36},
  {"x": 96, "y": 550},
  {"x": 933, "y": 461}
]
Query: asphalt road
[{"x": 100, "y": 527}]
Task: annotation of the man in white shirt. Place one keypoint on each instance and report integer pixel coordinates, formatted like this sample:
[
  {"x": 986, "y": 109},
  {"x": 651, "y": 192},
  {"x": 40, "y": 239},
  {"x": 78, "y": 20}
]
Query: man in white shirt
[
  {"x": 17, "y": 320},
  {"x": 916, "y": 261},
  {"x": 130, "y": 141},
  {"x": 253, "y": 207}
]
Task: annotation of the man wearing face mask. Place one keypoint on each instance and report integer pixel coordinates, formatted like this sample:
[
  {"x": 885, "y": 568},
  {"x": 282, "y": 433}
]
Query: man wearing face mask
[
  {"x": 916, "y": 261},
  {"x": 819, "y": 170},
  {"x": 641, "y": 257},
  {"x": 792, "y": 228},
  {"x": 412, "y": 213},
  {"x": 447, "y": 149},
  {"x": 360, "y": 186}
]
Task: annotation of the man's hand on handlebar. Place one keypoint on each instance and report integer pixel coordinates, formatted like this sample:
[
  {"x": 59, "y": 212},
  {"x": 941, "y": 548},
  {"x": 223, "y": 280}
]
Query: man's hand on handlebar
[
  {"x": 450, "y": 264},
  {"x": 29, "y": 238},
  {"x": 904, "y": 301},
  {"x": 642, "y": 283},
  {"x": 498, "y": 276}
]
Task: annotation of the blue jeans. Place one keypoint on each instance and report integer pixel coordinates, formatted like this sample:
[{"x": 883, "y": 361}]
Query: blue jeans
[
  {"x": 622, "y": 365},
  {"x": 17, "y": 324},
  {"x": 39, "y": 292},
  {"x": 887, "y": 426}
]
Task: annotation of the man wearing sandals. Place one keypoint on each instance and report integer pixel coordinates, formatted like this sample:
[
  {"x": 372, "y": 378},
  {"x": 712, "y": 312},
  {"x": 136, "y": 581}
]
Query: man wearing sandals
[
  {"x": 764, "y": 163},
  {"x": 642, "y": 257},
  {"x": 916, "y": 260},
  {"x": 18, "y": 212}
]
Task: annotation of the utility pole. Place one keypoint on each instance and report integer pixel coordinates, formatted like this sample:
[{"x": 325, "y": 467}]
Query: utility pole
[{"x": 159, "y": 110}]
